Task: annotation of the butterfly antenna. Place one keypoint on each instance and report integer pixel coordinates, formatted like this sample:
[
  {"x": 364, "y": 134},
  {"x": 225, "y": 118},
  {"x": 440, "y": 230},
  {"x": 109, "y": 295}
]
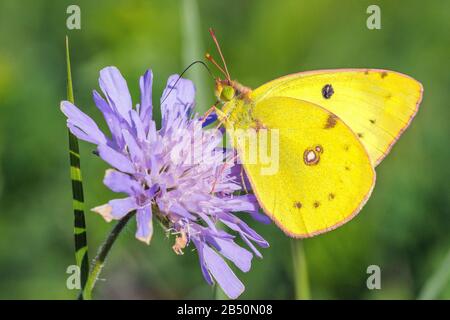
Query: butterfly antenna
[
  {"x": 211, "y": 59},
  {"x": 213, "y": 35},
  {"x": 184, "y": 71}
]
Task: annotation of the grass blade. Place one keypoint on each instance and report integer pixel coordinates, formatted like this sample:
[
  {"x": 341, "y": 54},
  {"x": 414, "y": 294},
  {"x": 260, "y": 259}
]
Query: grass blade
[
  {"x": 81, "y": 248},
  {"x": 437, "y": 282}
]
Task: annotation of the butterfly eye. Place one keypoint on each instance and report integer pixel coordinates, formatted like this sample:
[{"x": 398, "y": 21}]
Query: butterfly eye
[{"x": 227, "y": 93}]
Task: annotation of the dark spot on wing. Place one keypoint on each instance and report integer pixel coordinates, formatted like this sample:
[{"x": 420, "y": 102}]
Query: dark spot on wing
[
  {"x": 346, "y": 147},
  {"x": 373, "y": 121},
  {"x": 347, "y": 168},
  {"x": 327, "y": 91},
  {"x": 297, "y": 204},
  {"x": 316, "y": 204},
  {"x": 331, "y": 122},
  {"x": 384, "y": 74},
  {"x": 331, "y": 196},
  {"x": 366, "y": 72},
  {"x": 360, "y": 135},
  {"x": 319, "y": 148},
  {"x": 311, "y": 156}
]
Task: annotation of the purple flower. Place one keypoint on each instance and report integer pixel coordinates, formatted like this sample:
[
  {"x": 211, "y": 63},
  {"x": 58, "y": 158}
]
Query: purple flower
[{"x": 180, "y": 174}]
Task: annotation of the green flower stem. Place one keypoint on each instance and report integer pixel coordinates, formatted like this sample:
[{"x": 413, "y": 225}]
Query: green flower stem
[
  {"x": 80, "y": 236},
  {"x": 103, "y": 253},
  {"x": 300, "y": 271},
  {"x": 437, "y": 282}
]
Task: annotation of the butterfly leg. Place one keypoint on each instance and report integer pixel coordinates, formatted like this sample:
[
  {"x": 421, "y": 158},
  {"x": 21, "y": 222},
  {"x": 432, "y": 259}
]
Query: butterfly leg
[
  {"x": 222, "y": 170},
  {"x": 209, "y": 111},
  {"x": 221, "y": 116},
  {"x": 244, "y": 185}
]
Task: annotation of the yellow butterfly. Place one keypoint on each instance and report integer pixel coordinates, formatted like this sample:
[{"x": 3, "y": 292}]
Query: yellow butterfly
[{"x": 327, "y": 129}]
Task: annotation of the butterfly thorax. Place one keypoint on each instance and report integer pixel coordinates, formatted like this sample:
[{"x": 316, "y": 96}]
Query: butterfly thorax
[
  {"x": 237, "y": 114},
  {"x": 236, "y": 103}
]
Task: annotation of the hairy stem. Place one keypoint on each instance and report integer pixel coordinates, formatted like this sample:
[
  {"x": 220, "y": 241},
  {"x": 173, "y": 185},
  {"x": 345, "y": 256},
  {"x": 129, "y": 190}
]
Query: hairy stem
[{"x": 102, "y": 254}]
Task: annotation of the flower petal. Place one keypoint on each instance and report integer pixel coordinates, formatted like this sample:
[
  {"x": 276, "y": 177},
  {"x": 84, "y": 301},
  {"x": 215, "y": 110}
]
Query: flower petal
[
  {"x": 146, "y": 108},
  {"x": 182, "y": 212},
  {"x": 224, "y": 276},
  {"x": 241, "y": 257},
  {"x": 111, "y": 118},
  {"x": 144, "y": 230},
  {"x": 151, "y": 134},
  {"x": 212, "y": 117},
  {"x": 80, "y": 134},
  {"x": 250, "y": 244},
  {"x": 115, "y": 159},
  {"x": 120, "y": 207},
  {"x": 240, "y": 226},
  {"x": 137, "y": 125},
  {"x": 134, "y": 149},
  {"x": 241, "y": 203},
  {"x": 260, "y": 217},
  {"x": 121, "y": 182},
  {"x": 200, "y": 245},
  {"x": 116, "y": 209},
  {"x": 116, "y": 91},
  {"x": 105, "y": 211},
  {"x": 78, "y": 119},
  {"x": 251, "y": 206},
  {"x": 177, "y": 100}
]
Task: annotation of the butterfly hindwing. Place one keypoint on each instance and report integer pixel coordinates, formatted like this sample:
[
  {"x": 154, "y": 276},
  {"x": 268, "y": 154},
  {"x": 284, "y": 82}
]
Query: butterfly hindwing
[
  {"x": 377, "y": 105},
  {"x": 323, "y": 174}
]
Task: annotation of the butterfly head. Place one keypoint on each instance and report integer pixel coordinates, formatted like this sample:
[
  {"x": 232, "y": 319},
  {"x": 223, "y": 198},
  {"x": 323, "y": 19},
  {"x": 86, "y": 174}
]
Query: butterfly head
[
  {"x": 227, "y": 90},
  {"x": 224, "y": 91}
]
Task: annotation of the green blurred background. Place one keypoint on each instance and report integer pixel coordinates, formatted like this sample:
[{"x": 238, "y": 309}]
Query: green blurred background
[{"x": 404, "y": 228}]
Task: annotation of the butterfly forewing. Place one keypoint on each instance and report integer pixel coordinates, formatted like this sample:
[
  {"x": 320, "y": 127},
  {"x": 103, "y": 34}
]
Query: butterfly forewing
[{"x": 377, "y": 105}]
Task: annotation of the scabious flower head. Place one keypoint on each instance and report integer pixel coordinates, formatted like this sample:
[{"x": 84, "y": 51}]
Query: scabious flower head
[{"x": 179, "y": 173}]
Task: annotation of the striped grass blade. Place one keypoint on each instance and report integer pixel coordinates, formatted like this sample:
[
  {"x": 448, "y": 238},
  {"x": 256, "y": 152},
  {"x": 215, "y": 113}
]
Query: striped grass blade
[{"x": 81, "y": 248}]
